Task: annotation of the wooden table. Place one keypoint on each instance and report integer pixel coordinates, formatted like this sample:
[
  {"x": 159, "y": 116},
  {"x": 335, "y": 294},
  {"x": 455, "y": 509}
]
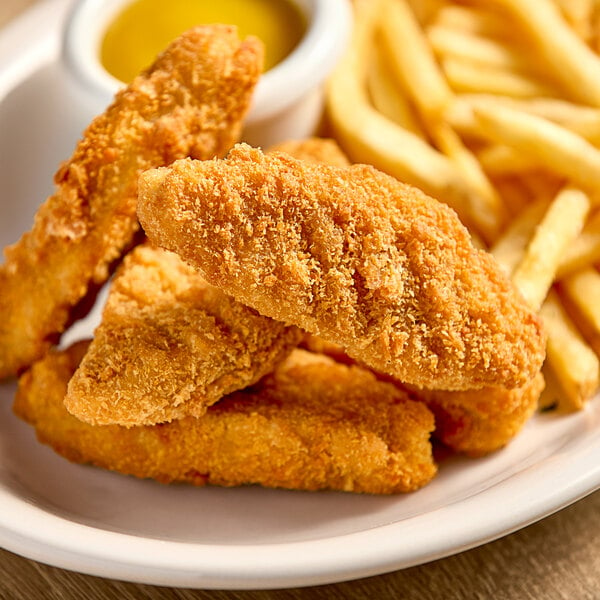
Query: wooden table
[{"x": 557, "y": 558}]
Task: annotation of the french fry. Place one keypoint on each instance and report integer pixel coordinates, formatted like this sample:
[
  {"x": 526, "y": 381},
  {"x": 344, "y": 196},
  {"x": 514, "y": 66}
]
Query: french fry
[
  {"x": 367, "y": 136},
  {"x": 387, "y": 96},
  {"x": 550, "y": 144},
  {"x": 571, "y": 359},
  {"x": 515, "y": 195},
  {"x": 509, "y": 249},
  {"x": 472, "y": 48},
  {"x": 579, "y": 14},
  {"x": 474, "y": 20},
  {"x": 468, "y": 77},
  {"x": 561, "y": 224},
  {"x": 565, "y": 55},
  {"x": 413, "y": 59},
  {"x": 582, "y": 120},
  {"x": 584, "y": 251},
  {"x": 490, "y": 203},
  {"x": 580, "y": 292},
  {"x": 498, "y": 159}
]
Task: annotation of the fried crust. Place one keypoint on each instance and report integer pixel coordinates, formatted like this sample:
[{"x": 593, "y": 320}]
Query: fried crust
[
  {"x": 312, "y": 424},
  {"x": 191, "y": 102},
  {"x": 477, "y": 422},
  {"x": 471, "y": 422},
  {"x": 351, "y": 255},
  {"x": 170, "y": 345}
]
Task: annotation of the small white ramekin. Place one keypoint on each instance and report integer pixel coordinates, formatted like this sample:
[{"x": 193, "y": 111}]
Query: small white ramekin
[{"x": 288, "y": 99}]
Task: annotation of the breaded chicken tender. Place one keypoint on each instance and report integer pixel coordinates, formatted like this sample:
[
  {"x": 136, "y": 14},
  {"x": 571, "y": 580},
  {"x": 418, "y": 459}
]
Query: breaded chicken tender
[
  {"x": 170, "y": 345},
  {"x": 477, "y": 422},
  {"x": 471, "y": 422},
  {"x": 352, "y": 255},
  {"x": 312, "y": 424},
  {"x": 191, "y": 102}
]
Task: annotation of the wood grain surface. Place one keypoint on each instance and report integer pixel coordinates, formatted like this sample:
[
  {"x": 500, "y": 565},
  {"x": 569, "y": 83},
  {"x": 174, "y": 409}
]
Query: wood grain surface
[{"x": 557, "y": 558}]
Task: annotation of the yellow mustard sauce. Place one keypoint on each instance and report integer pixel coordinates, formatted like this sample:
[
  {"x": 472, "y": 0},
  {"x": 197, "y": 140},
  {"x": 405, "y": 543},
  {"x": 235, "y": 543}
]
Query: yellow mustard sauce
[{"x": 145, "y": 27}]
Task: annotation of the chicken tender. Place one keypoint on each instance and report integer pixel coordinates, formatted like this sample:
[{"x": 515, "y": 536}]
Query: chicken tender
[
  {"x": 170, "y": 345},
  {"x": 477, "y": 422},
  {"x": 191, "y": 102},
  {"x": 352, "y": 255},
  {"x": 312, "y": 424},
  {"x": 471, "y": 422}
]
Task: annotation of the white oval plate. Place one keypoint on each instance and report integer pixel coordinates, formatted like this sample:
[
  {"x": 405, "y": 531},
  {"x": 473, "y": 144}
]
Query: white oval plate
[{"x": 95, "y": 522}]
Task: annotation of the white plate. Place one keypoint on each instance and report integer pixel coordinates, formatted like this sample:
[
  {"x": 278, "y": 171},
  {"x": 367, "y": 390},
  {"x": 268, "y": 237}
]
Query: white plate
[{"x": 96, "y": 522}]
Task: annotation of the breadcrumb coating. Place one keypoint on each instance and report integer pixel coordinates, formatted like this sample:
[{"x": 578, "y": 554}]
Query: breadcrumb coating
[
  {"x": 312, "y": 424},
  {"x": 471, "y": 422},
  {"x": 191, "y": 102},
  {"x": 170, "y": 345},
  {"x": 352, "y": 255},
  {"x": 477, "y": 422}
]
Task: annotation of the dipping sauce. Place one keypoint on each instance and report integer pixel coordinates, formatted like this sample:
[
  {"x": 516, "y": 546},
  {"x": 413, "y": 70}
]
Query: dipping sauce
[{"x": 145, "y": 27}]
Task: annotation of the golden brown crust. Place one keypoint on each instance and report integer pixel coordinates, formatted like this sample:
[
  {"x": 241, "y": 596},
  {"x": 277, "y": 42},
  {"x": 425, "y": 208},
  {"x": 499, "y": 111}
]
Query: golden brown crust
[
  {"x": 313, "y": 424},
  {"x": 170, "y": 345},
  {"x": 351, "y": 255},
  {"x": 191, "y": 102},
  {"x": 472, "y": 422},
  {"x": 477, "y": 422}
]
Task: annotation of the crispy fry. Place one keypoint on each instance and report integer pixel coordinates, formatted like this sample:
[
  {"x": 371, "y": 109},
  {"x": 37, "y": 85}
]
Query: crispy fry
[
  {"x": 566, "y": 56},
  {"x": 352, "y": 255},
  {"x": 510, "y": 248},
  {"x": 498, "y": 159},
  {"x": 490, "y": 206},
  {"x": 474, "y": 20},
  {"x": 469, "y": 77},
  {"x": 170, "y": 345},
  {"x": 413, "y": 60},
  {"x": 367, "y": 136},
  {"x": 189, "y": 103},
  {"x": 562, "y": 223},
  {"x": 554, "y": 146},
  {"x": 573, "y": 362},
  {"x": 581, "y": 292},
  {"x": 582, "y": 120},
  {"x": 312, "y": 424},
  {"x": 489, "y": 53},
  {"x": 388, "y": 98},
  {"x": 584, "y": 251}
]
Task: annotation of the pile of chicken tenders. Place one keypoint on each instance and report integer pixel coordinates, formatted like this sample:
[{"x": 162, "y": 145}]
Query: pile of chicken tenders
[{"x": 280, "y": 318}]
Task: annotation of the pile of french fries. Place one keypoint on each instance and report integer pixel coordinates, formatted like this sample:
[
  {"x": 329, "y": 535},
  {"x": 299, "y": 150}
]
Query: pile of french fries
[{"x": 494, "y": 108}]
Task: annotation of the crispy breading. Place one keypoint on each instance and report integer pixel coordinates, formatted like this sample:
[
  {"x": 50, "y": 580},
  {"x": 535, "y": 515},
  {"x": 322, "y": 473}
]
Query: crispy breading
[
  {"x": 170, "y": 345},
  {"x": 312, "y": 424},
  {"x": 191, "y": 102},
  {"x": 477, "y": 422},
  {"x": 472, "y": 422},
  {"x": 315, "y": 149},
  {"x": 352, "y": 255}
]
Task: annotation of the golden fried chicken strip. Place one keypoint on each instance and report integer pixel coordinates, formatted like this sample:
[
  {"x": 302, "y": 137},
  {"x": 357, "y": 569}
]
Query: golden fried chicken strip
[
  {"x": 310, "y": 425},
  {"x": 191, "y": 102},
  {"x": 170, "y": 345},
  {"x": 472, "y": 422},
  {"x": 353, "y": 256},
  {"x": 477, "y": 422}
]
